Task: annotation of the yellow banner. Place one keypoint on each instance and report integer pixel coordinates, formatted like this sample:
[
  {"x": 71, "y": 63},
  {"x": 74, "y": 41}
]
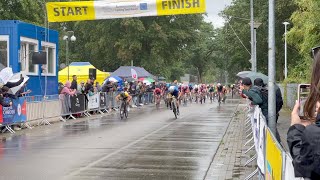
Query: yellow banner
[
  {"x": 111, "y": 9},
  {"x": 70, "y": 11},
  {"x": 171, "y": 7},
  {"x": 273, "y": 159}
]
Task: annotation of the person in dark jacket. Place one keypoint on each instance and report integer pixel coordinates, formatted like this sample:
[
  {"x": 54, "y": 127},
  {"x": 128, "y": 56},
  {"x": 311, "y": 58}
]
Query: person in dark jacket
[
  {"x": 279, "y": 100},
  {"x": 14, "y": 84},
  {"x": 253, "y": 93},
  {"x": 304, "y": 134},
  {"x": 74, "y": 83}
]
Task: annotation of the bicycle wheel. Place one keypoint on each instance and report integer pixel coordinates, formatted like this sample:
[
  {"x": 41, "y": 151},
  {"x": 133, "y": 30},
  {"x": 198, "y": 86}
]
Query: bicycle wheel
[
  {"x": 185, "y": 101},
  {"x": 174, "y": 109},
  {"x": 125, "y": 111},
  {"x": 122, "y": 110},
  {"x": 158, "y": 102}
]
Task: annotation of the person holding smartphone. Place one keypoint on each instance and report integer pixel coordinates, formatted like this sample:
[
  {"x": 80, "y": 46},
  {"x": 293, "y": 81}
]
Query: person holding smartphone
[{"x": 303, "y": 136}]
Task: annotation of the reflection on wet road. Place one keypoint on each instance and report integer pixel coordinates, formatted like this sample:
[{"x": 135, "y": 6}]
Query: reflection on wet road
[{"x": 151, "y": 144}]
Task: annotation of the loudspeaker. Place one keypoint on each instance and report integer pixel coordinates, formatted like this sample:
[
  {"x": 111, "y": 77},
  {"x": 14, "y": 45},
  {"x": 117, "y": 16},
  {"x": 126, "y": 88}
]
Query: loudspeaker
[
  {"x": 92, "y": 73},
  {"x": 39, "y": 58}
]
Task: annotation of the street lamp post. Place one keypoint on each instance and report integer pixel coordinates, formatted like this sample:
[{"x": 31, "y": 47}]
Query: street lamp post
[
  {"x": 68, "y": 37},
  {"x": 252, "y": 35},
  {"x": 253, "y": 59},
  {"x": 285, "y": 50},
  {"x": 255, "y": 26}
]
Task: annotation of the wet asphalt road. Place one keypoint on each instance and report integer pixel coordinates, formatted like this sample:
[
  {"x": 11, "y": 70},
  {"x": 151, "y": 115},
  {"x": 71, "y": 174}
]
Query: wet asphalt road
[{"x": 150, "y": 144}]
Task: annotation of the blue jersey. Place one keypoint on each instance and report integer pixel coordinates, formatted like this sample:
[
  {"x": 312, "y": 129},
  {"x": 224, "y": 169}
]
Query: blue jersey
[{"x": 175, "y": 92}]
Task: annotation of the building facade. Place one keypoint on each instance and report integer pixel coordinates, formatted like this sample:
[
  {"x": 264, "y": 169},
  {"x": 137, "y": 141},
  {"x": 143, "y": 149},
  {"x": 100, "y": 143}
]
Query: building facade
[{"x": 18, "y": 42}]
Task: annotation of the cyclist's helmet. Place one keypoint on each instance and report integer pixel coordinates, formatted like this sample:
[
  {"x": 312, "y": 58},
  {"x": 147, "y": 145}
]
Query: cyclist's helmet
[
  {"x": 218, "y": 84},
  {"x": 171, "y": 89}
]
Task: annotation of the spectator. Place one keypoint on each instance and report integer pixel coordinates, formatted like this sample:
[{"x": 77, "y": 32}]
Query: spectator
[
  {"x": 88, "y": 88},
  {"x": 74, "y": 83},
  {"x": 67, "y": 89},
  {"x": 254, "y": 94},
  {"x": 279, "y": 101},
  {"x": 133, "y": 93},
  {"x": 304, "y": 134},
  {"x": 264, "y": 95},
  {"x": 99, "y": 89},
  {"x": 22, "y": 92},
  {"x": 81, "y": 88}
]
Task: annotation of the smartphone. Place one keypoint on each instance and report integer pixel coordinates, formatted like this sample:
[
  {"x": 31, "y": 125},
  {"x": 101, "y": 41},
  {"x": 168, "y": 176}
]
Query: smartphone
[{"x": 303, "y": 93}]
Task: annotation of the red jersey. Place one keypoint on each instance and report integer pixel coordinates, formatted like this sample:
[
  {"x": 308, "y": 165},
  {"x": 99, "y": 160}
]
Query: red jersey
[{"x": 157, "y": 91}]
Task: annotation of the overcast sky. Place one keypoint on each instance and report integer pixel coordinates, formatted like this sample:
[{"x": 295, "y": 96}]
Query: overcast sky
[{"x": 213, "y": 9}]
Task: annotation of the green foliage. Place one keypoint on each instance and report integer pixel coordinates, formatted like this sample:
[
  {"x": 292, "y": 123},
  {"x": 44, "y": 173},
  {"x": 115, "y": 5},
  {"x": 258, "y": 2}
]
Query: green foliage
[
  {"x": 304, "y": 35},
  {"x": 238, "y": 18}
]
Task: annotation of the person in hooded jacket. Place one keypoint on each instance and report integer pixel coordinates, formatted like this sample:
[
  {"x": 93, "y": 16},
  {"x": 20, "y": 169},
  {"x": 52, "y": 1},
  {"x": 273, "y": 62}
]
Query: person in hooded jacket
[
  {"x": 253, "y": 93},
  {"x": 303, "y": 136}
]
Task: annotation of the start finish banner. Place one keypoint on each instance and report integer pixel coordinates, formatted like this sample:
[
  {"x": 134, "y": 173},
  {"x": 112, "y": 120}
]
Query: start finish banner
[{"x": 111, "y": 9}]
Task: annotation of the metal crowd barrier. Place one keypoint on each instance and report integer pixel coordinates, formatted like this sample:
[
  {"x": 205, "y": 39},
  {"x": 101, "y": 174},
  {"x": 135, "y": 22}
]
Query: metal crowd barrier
[
  {"x": 273, "y": 162},
  {"x": 40, "y": 110}
]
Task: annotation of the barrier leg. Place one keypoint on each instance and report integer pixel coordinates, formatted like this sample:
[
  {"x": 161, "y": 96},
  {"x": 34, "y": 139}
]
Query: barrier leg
[
  {"x": 9, "y": 129},
  {"x": 249, "y": 149},
  {"x": 99, "y": 111},
  {"x": 249, "y": 135},
  {"x": 248, "y": 130},
  {"x": 252, "y": 174},
  {"x": 61, "y": 119},
  {"x": 248, "y": 141},
  {"x": 250, "y": 160},
  {"x": 44, "y": 120},
  {"x": 27, "y": 125},
  {"x": 72, "y": 117}
]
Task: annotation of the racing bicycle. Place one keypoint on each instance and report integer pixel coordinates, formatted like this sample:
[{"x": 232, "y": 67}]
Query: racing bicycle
[{"x": 124, "y": 108}]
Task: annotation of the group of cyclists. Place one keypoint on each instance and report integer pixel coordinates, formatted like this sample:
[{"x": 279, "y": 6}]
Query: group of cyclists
[{"x": 180, "y": 94}]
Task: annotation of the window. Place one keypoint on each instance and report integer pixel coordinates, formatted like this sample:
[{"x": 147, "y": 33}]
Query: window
[
  {"x": 27, "y": 48},
  {"x": 4, "y": 51},
  {"x": 50, "y": 49}
]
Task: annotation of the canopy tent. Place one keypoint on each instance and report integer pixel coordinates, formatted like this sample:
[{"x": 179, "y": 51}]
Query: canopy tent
[
  {"x": 81, "y": 70},
  {"x": 125, "y": 72}
]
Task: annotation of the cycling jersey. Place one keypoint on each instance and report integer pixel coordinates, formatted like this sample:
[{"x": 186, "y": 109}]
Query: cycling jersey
[
  {"x": 175, "y": 92},
  {"x": 196, "y": 90},
  {"x": 220, "y": 88},
  {"x": 124, "y": 95},
  {"x": 157, "y": 91},
  {"x": 211, "y": 89}
]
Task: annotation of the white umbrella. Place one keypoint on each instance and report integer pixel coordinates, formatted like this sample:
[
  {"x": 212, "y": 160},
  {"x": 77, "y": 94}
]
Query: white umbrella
[
  {"x": 146, "y": 82},
  {"x": 16, "y": 78},
  {"x": 5, "y": 75}
]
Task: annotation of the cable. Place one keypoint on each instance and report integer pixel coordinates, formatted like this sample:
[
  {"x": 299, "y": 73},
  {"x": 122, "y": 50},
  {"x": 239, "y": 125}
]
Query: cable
[{"x": 238, "y": 37}]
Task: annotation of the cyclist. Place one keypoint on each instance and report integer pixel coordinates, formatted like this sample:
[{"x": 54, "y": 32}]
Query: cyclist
[
  {"x": 203, "y": 90},
  {"x": 219, "y": 91},
  {"x": 190, "y": 92},
  {"x": 157, "y": 94},
  {"x": 196, "y": 92},
  {"x": 174, "y": 91},
  {"x": 224, "y": 94},
  {"x": 184, "y": 92},
  {"x": 211, "y": 92},
  {"x": 125, "y": 97}
]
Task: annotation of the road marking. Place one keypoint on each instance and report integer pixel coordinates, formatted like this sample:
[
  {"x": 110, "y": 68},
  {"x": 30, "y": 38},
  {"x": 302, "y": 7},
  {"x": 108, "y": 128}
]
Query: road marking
[{"x": 117, "y": 151}]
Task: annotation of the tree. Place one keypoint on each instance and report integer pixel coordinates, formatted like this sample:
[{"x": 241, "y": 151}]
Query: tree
[
  {"x": 237, "y": 17},
  {"x": 304, "y": 35}
]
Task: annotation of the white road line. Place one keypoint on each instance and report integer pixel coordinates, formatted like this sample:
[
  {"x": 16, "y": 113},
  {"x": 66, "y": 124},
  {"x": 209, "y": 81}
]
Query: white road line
[{"x": 117, "y": 151}]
